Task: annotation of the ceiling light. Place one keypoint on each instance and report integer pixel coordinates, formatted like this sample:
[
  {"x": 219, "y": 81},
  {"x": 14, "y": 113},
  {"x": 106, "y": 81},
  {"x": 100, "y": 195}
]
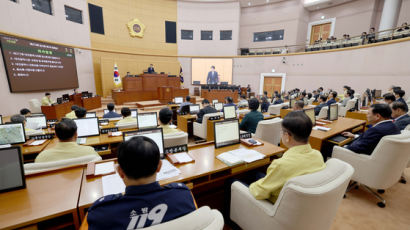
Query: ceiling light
[
  {"x": 249, "y": 3},
  {"x": 267, "y": 1},
  {"x": 322, "y": 17}
]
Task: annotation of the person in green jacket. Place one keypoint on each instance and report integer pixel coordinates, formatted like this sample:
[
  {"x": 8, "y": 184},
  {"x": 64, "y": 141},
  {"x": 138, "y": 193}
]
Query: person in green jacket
[{"x": 251, "y": 120}]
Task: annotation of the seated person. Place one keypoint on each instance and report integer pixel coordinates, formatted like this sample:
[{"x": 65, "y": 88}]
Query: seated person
[
  {"x": 278, "y": 100},
  {"x": 145, "y": 202},
  {"x": 27, "y": 129},
  {"x": 399, "y": 94},
  {"x": 251, "y": 119},
  {"x": 298, "y": 160},
  {"x": 66, "y": 147},
  {"x": 399, "y": 114},
  {"x": 206, "y": 108},
  {"x": 25, "y": 112},
  {"x": 71, "y": 115},
  {"x": 151, "y": 68},
  {"x": 403, "y": 27},
  {"x": 111, "y": 113},
  {"x": 187, "y": 102},
  {"x": 333, "y": 96},
  {"x": 126, "y": 117},
  {"x": 46, "y": 100},
  {"x": 80, "y": 112},
  {"x": 303, "y": 97},
  {"x": 165, "y": 117},
  {"x": 298, "y": 106},
  {"x": 347, "y": 97},
  {"x": 265, "y": 105},
  {"x": 389, "y": 98},
  {"x": 316, "y": 95},
  {"x": 229, "y": 102},
  {"x": 243, "y": 102},
  {"x": 309, "y": 96},
  {"x": 379, "y": 117},
  {"x": 322, "y": 104}
]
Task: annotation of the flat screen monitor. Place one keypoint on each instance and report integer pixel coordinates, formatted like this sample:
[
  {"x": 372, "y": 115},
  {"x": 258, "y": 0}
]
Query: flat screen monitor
[
  {"x": 194, "y": 109},
  {"x": 36, "y": 122},
  {"x": 311, "y": 114},
  {"x": 218, "y": 106},
  {"x": 147, "y": 120},
  {"x": 378, "y": 93},
  {"x": 134, "y": 113},
  {"x": 178, "y": 100},
  {"x": 226, "y": 133},
  {"x": 229, "y": 112},
  {"x": 154, "y": 134},
  {"x": 87, "y": 127},
  {"x": 292, "y": 103},
  {"x": 106, "y": 111},
  {"x": 12, "y": 134},
  {"x": 11, "y": 170},
  {"x": 66, "y": 97},
  {"x": 333, "y": 112},
  {"x": 91, "y": 114},
  {"x": 214, "y": 101},
  {"x": 201, "y": 69}
]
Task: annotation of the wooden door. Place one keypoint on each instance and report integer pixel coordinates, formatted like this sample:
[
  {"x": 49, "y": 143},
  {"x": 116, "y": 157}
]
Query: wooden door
[
  {"x": 320, "y": 31},
  {"x": 272, "y": 84}
]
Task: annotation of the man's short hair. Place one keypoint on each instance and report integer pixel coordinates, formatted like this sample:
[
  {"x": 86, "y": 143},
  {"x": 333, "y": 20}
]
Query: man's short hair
[
  {"x": 165, "y": 115},
  {"x": 389, "y": 97},
  {"x": 47, "y": 94},
  {"x": 309, "y": 95},
  {"x": 265, "y": 92},
  {"x": 205, "y": 101},
  {"x": 188, "y": 98},
  {"x": 300, "y": 104},
  {"x": 80, "y": 112},
  {"x": 24, "y": 111},
  {"x": 253, "y": 104},
  {"x": 125, "y": 112},
  {"x": 399, "y": 105},
  {"x": 349, "y": 93},
  {"x": 229, "y": 100},
  {"x": 138, "y": 157},
  {"x": 399, "y": 92},
  {"x": 110, "y": 106},
  {"x": 347, "y": 87},
  {"x": 323, "y": 98},
  {"x": 212, "y": 67},
  {"x": 243, "y": 96},
  {"x": 17, "y": 118},
  {"x": 298, "y": 125},
  {"x": 74, "y": 107},
  {"x": 65, "y": 129},
  {"x": 334, "y": 94},
  {"x": 383, "y": 110}
]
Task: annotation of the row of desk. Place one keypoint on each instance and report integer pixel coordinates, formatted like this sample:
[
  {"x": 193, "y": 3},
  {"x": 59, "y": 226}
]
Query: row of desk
[{"x": 59, "y": 111}]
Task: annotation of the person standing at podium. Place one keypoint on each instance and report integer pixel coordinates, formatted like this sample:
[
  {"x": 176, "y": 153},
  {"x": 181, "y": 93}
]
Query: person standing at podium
[
  {"x": 46, "y": 101},
  {"x": 151, "y": 68},
  {"x": 212, "y": 78}
]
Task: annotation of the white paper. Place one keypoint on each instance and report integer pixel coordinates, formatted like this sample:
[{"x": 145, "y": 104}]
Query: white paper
[
  {"x": 247, "y": 155},
  {"x": 321, "y": 128},
  {"x": 112, "y": 184},
  {"x": 320, "y": 123},
  {"x": 38, "y": 142},
  {"x": 116, "y": 134},
  {"x": 167, "y": 171},
  {"x": 229, "y": 158},
  {"x": 182, "y": 157},
  {"x": 81, "y": 140},
  {"x": 104, "y": 168}
]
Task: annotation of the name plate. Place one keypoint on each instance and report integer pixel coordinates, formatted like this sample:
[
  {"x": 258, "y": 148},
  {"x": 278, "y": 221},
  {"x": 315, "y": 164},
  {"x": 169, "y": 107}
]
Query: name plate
[
  {"x": 214, "y": 118},
  {"x": 245, "y": 135},
  {"x": 107, "y": 130},
  {"x": 43, "y": 136},
  {"x": 176, "y": 149}
]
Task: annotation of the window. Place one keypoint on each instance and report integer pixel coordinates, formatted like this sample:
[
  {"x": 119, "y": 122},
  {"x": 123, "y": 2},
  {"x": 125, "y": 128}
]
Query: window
[
  {"x": 206, "y": 34},
  {"x": 73, "y": 15},
  {"x": 42, "y": 6},
  {"x": 96, "y": 18},
  {"x": 226, "y": 35},
  {"x": 187, "y": 34},
  {"x": 268, "y": 36},
  {"x": 170, "y": 32}
]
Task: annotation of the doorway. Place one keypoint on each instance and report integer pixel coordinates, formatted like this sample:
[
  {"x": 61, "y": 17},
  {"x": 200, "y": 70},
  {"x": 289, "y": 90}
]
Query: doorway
[
  {"x": 272, "y": 82},
  {"x": 320, "y": 31}
]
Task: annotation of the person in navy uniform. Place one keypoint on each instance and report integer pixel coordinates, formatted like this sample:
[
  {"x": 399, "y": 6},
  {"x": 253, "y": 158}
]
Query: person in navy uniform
[
  {"x": 145, "y": 203},
  {"x": 213, "y": 77},
  {"x": 399, "y": 114},
  {"x": 332, "y": 100},
  {"x": 379, "y": 117},
  {"x": 151, "y": 68}
]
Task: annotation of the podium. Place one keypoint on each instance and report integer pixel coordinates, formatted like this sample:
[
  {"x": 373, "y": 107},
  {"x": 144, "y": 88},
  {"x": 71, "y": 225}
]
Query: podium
[
  {"x": 57, "y": 111},
  {"x": 165, "y": 93},
  {"x": 220, "y": 95},
  {"x": 86, "y": 103}
]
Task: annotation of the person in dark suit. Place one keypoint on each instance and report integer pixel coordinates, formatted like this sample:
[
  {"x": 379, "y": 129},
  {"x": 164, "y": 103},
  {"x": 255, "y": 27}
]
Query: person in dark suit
[
  {"x": 379, "y": 117},
  {"x": 399, "y": 114},
  {"x": 229, "y": 102},
  {"x": 389, "y": 98},
  {"x": 278, "y": 99},
  {"x": 151, "y": 68},
  {"x": 332, "y": 100},
  {"x": 213, "y": 77},
  {"x": 251, "y": 119},
  {"x": 265, "y": 104},
  {"x": 316, "y": 95},
  {"x": 206, "y": 108},
  {"x": 322, "y": 104},
  {"x": 399, "y": 94}
]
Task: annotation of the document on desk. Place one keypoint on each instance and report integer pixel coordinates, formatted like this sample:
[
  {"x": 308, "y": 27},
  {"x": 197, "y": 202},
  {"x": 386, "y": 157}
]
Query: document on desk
[
  {"x": 247, "y": 155},
  {"x": 182, "y": 157},
  {"x": 167, "y": 171},
  {"x": 38, "y": 142},
  {"x": 112, "y": 184},
  {"x": 229, "y": 159},
  {"x": 321, "y": 128},
  {"x": 104, "y": 168}
]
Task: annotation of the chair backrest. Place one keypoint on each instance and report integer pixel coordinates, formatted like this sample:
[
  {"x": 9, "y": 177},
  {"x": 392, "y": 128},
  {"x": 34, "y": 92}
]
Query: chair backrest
[
  {"x": 31, "y": 168},
  {"x": 275, "y": 109},
  {"x": 175, "y": 139},
  {"x": 311, "y": 100},
  {"x": 35, "y": 105},
  {"x": 202, "y": 218},
  {"x": 243, "y": 111},
  {"x": 323, "y": 113},
  {"x": 269, "y": 130},
  {"x": 310, "y": 202},
  {"x": 387, "y": 162},
  {"x": 407, "y": 128}
]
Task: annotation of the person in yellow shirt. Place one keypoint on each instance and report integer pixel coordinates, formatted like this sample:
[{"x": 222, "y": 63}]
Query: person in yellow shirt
[
  {"x": 71, "y": 115},
  {"x": 46, "y": 101},
  {"x": 66, "y": 148},
  {"x": 127, "y": 118},
  {"x": 165, "y": 116}
]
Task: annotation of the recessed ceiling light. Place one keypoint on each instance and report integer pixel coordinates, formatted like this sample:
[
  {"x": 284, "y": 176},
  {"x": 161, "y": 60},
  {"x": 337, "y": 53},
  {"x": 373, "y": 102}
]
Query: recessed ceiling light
[
  {"x": 267, "y": 1},
  {"x": 322, "y": 17},
  {"x": 249, "y": 3}
]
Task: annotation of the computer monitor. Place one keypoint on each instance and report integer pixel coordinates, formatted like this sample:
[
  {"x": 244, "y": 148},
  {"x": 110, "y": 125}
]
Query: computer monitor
[
  {"x": 218, "y": 106},
  {"x": 66, "y": 97},
  {"x": 378, "y": 93},
  {"x": 214, "y": 101},
  {"x": 229, "y": 112},
  {"x": 226, "y": 133},
  {"x": 194, "y": 108},
  {"x": 87, "y": 127},
  {"x": 106, "y": 111},
  {"x": 311, "y": 114},
  {"x": 91, "y": 114},
  {"x": 147, "y": 120},
  {"x": 178, "y": 100},
  {"x": 154, "y": 134},
  {"x": 11, "y": 169},
  {"x": 12, "y": 133},
  {"x": 333, "y": 112},
  {"x": 292, "y": 103},
  {"x": 59, "y": 100},
  {"x": 134, "y": 113},
  {"x": 37, "y": 122}
]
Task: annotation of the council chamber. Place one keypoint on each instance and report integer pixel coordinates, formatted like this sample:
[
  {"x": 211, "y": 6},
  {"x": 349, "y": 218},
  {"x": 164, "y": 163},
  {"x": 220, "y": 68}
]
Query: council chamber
[{"x": 198, "y": 114}]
